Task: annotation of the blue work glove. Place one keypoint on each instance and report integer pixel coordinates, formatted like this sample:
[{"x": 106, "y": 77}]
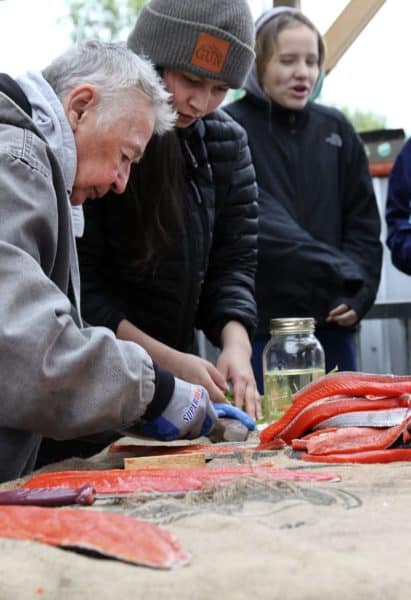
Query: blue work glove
[
  {"x": 189, "y": 414},
  {"x": 228, "y": 410}
]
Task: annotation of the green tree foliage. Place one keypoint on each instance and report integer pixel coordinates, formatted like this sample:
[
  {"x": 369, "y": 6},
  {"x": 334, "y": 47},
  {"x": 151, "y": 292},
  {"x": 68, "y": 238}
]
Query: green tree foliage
[
  {"x": 106, "y": 20},
  {"x": 364, "y": 121}
]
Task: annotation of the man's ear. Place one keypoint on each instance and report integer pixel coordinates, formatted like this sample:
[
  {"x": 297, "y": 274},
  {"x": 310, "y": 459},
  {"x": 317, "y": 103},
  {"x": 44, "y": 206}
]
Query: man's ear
[{"x": 78, "y": 102}]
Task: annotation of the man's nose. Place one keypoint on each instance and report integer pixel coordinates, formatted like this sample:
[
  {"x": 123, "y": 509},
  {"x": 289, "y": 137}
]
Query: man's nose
[{"x": 121, "y": 178}]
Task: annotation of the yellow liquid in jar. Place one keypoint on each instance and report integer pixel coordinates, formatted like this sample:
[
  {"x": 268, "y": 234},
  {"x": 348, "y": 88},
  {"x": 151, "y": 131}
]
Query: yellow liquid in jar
[{"x": 279, "y": 387}]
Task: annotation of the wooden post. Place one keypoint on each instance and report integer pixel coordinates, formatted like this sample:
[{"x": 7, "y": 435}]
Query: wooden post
[
  {"x": 291, "y": 3},
  {"x": 347, "y": 27}
]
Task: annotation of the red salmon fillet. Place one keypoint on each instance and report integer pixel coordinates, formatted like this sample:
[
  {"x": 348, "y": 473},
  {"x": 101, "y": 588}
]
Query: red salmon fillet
[
  {"x": 110, "y": 534},
  {"x": 120, "y": 481},
  {"x": 355, "y": 439}
]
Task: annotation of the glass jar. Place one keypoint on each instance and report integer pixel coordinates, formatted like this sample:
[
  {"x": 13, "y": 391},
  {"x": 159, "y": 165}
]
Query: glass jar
[{"x": 292, "y": 358}]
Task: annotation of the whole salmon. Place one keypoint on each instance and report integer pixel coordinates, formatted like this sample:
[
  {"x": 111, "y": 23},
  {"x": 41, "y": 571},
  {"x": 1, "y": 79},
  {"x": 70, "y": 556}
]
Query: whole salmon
[{"x": 346, "y": 383}]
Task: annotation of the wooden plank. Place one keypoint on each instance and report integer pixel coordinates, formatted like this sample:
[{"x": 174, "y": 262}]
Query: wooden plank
[
  {"x": 347, "y": 27},
  {"x": 194, "y": 459}
]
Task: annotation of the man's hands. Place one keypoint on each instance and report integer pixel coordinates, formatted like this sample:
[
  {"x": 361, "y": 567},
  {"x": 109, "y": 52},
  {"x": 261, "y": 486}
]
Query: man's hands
[
  {"x": 189, "y": 414},
  {"x": 232, "y": 412}
]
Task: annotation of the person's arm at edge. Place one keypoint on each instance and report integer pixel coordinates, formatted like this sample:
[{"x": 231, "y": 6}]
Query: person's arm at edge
[
  {"x": 398, "y": 209},
  {"x": 234, "y": 363}
]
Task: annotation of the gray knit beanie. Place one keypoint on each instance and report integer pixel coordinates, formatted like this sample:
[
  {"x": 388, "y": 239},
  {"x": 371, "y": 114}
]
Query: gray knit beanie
[{"x": 211, "y": 38}]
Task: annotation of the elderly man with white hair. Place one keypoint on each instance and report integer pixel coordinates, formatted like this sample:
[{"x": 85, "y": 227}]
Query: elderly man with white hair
[{"x": 69, "y": 133}]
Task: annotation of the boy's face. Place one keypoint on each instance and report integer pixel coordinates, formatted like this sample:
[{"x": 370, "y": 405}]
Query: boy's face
[{"x": 193, "y": 96}]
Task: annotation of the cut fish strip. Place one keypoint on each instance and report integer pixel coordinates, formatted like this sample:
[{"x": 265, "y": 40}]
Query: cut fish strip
[
  {"x": 109, "y": 534},
  {"x": 119, "y": 481},
  {"x": 364, "y": 457}
]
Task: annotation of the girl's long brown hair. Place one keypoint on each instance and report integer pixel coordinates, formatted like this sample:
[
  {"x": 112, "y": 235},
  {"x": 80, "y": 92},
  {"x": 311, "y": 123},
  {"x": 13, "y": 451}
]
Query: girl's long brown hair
[{"x": 152, "y": 201}]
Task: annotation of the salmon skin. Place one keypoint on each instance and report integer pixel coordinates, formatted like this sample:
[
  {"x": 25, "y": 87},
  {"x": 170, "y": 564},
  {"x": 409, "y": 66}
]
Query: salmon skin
[
  {"x": 170, "y": 480},
  {"x": 371, "y": 418},
  {"x": 107, "y": 533},
  {"x": 348, "y": 383}
]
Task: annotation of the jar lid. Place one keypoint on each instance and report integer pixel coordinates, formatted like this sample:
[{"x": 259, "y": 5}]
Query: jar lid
[{"x": 292, "y": 324}]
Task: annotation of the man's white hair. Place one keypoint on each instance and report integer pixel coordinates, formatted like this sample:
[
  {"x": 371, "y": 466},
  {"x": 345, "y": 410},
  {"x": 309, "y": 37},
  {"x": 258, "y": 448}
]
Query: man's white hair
[{"x": 117, "y": 73}]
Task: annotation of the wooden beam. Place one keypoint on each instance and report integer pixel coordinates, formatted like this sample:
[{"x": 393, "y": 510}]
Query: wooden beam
[
  {"x": 347, "y": 27},
  {"x": 292, "y": 3}
]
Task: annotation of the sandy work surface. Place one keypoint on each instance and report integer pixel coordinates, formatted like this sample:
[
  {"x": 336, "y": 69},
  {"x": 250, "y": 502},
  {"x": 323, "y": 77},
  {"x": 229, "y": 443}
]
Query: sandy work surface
[{"x": 336, "y": 540}]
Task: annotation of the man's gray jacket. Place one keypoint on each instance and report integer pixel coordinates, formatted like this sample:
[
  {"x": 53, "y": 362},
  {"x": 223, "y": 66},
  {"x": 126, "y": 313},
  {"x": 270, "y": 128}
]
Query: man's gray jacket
[{"x": 57, "y": 379}]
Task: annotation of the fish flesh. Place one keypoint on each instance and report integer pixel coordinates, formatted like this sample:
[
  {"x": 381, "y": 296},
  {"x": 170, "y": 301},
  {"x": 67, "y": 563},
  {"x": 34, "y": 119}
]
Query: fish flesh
[
  {"x": 348, "y": 383},
  {"x": 356, "y": 439},
  {"x": 170, "y": 480},
  {"x": 106, "y": 533},
  {"x": 301, "y": 443}
]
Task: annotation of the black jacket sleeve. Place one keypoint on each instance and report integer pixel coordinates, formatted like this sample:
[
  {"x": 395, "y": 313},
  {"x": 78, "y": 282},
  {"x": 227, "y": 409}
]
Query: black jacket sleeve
[
  {"x": 322, "y": 270},
  {"x": 362, "y": 224},
  {"x": 398, "y": 211}
]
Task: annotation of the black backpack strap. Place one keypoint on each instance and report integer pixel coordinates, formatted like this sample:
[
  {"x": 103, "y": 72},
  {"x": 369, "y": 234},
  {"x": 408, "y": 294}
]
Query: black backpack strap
[{"x": 9, "y": 87}]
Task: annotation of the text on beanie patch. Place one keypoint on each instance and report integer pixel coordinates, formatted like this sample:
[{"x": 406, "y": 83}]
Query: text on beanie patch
[{"x": 210, "y": 52}]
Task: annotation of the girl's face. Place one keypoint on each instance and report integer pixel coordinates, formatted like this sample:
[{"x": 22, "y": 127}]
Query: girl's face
[
  {"x": 193, "y": 96},
  {"x": 293, "y": 69}
]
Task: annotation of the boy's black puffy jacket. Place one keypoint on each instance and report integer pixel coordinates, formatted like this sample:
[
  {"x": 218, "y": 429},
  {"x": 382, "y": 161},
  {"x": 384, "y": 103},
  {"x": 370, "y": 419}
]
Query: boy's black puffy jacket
[
  {"x": 207, "y": 278},
  {"x": 318, "y": 219}
]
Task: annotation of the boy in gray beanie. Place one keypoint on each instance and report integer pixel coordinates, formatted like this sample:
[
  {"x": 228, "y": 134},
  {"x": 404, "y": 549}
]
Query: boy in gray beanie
[
  {"x": 183, "y": 240},
  {"x": 211, "y": 38}
]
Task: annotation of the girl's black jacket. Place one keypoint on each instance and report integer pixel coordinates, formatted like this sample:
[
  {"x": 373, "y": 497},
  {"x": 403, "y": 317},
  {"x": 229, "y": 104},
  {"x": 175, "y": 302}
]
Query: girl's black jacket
[
  {"x": 207, "y": 278},
  {"x": 319, "y": 225}
]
